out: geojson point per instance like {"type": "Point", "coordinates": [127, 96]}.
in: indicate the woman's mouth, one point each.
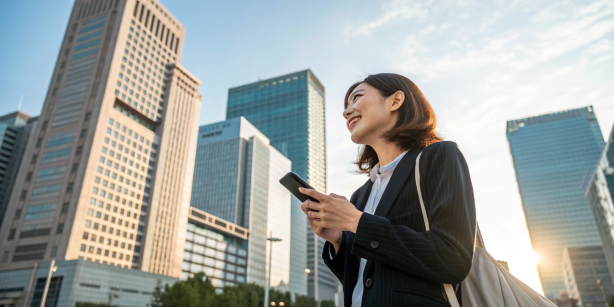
{"type": "Point", "coordinates": [353, 122]}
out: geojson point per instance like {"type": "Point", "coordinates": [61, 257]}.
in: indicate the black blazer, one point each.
{"type": "Point", "coordinates": [407, 265]}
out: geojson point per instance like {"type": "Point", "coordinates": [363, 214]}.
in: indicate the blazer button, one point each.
{"type": "Point", "coordinates": [368, 283]}
{"type": "Point", "coordinates": [374, 244]}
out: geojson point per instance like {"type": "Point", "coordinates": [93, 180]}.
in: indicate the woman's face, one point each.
{"type": "Point", "coordinates": [369, 115]}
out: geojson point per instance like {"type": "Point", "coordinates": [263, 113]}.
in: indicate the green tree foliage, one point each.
{"type": "Point", "coordinates": [327, 304]}
{"type": "Point", "coordinates": [198, 291]}
{"type": "Point", "coordinates": [304, 301]}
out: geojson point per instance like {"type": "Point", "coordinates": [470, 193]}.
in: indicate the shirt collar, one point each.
{"type": "Point", "coordinates": [388, 168]}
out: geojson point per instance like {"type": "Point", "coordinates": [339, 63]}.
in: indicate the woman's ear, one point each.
{"type": "Point", "coordinates": [398, 99]}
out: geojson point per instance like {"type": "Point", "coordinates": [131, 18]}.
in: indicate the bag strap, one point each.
{"type": "Point", "coordinates": [449, 289]}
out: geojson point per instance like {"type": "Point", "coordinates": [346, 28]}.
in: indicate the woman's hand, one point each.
{"type": "Point", "coordinates": [336, 214]}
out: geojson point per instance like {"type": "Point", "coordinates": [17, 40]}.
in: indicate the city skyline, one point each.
{"type": "Point", "coordinates": [525, 59]}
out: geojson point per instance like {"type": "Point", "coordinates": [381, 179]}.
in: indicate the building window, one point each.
{"type": "Point", "coordinates": [79, 149]}
{"type": "Point", "coordinates": [12, 234]}
{"type": "Point", "coordinates": [64, 208]}
{"type": "Point", "coordinates": [83, 133]}
{"type": "Point", "coordinates": [5, 256]}
{"type": "Point", "coordinates": [74, 168]}
{"type": "Point", "coordinates": [17, 214]}
{"type": "Point", "coordinates": [28, 177]}
{"type": "Point", "coordinates": [88, 116]}
{"type": "Point", "coordinates": [69, 187]}
{"type": "Point", "coordinates": [54, 251]}
{"type": "Point", "coordinates": [23, 195]}
{"type": "Point", "coordinates": [83, 247]}
{"type": "Point", "coordinates": [60, 228]}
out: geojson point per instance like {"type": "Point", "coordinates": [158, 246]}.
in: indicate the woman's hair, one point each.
{"type": "Point", "coordinates": [415, 126]}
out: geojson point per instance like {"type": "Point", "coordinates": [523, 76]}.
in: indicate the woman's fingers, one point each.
{"type": "Point", "coordinates": [313, 193]}
{"type": "Point", "coordinates": [314, 215]}
{"type": "Point", "coordinates": [333, 195]}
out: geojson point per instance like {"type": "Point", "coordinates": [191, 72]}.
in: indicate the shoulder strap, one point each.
{"type": "Point", "coordinates": [449, 289]}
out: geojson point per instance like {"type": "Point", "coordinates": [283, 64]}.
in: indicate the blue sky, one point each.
{"type": "Point", "coordinates": [479, 63]}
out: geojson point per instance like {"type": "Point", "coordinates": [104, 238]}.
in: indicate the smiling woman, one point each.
{"type": "Point", "coordinates": [378, 244]}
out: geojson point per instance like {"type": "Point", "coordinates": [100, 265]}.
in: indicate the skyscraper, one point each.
{"type": "Point", "coordinates": [14, 135]}
{"type": "Point", "coordinates": [554, 156]}
{"type": "Point", "coordinates": [290, 110]}
{"type": "Point", "coordinates": [109, 175]}
{"type": "Point", "coordinates": [599, 193]}
{"type": "Point", "coordinates": [236, 178]}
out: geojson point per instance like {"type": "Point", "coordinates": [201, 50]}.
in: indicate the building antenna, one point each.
{"type": "Point", "coordinates": [20, 101]}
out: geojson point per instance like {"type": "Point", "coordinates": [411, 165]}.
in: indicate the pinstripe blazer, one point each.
{"type": "Point", "coordinates": [407, 265]}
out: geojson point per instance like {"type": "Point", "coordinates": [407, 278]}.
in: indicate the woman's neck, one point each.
{"type": "Point", "coordinates": [387, 152]}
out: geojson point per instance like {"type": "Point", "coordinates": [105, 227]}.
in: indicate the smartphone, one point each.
{"type": "Point", "coordinates": [292, 182]}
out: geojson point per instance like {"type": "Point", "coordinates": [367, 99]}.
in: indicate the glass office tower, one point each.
{"type": "Point", "coordinates": [554, 156]}
{"type": "Point", "coordinates": [236, 179]}
{"type": "Point", "coordinates": [599, 193]}
{"type": "Point", "coordinates": [290, 110]}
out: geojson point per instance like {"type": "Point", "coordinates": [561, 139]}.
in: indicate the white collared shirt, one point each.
{"type": "Point", "coordinates": [380, 176]}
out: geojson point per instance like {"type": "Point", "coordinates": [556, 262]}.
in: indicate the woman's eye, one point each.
{"type": "Point", "coordinates": [356, 97]}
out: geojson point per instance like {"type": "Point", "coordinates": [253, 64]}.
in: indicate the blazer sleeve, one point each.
{"type": "Point", "coordinates": [443, 254]}
{"type": "Point", "coordinates": [336, 264]}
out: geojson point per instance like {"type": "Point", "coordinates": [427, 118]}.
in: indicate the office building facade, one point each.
{"type": "Point", "coordinates": [554, 156]}
{"type": "Point", "coordinates": [236, 179]}
{"type": "Point", "coordinates": [109, 175]}
{"type": "Point", "coordinates": [79, 281]}
{"type": "Point", "coordinates": [216, 247]}
{"type": "Point", "coordinates": [587, 277]}
{"type": "Point", "coordinates": [599, 194]}
{"type": "Point", "coordinates": [14, 135]}
{"type": "Point", "coordinates": [290, 111]}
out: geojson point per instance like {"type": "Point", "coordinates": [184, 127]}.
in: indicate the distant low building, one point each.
{"type": "Point", "coordinates": [79, 281]}
{"type": "Point", "coordinates": [216, 247]}
{"type": "Point", "coordinates": [565, 301]}
{"type": "Point", "coordinates": [587, 277]}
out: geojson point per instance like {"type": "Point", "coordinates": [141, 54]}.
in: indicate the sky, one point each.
{"type": "Point", "coordinates": [479, 63]}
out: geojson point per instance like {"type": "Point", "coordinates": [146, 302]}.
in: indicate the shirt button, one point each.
{"type": "Point", "coordinates": [374, 244]}
{"type": "Point", "coordinates": [368, 283]}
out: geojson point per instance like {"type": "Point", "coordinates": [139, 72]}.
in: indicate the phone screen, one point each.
{"type": "Point", "coordinates": [292, 182]}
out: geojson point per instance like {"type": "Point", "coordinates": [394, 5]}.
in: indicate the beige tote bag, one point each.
{"type": "Point", "coordinates": [488, 283]}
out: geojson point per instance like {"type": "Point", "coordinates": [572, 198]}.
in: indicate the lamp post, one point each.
{"type": "Point", "coordinates": [602, 292]}
{"type": "Point", "coordinates": [268, 283]}
{"type": "Point", "coordinates": [307, 271]}
{"type": "Point", "coordinates": [52, 269]}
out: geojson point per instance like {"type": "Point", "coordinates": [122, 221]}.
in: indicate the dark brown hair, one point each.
{"type": "Point", "coordinates": [415, 127]}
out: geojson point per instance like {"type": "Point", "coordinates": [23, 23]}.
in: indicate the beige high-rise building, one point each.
{"type": "Point", "coordinates": [108, 174]}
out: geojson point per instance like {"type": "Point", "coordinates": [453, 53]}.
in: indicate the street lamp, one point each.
{"type": "Point", "coordinates": [602, 292]}
{"type": "Point", "coordinates": [268, 283]}
{"type": "Point", "coordinates": [307, 271]}
{"type": "Point", "coordinates": [52, 269]}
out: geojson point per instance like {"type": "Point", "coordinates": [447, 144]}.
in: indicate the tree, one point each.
{"type": "Point", "coordinates": [205, 290]}
{"type": "Point", "coordinates": [327, 304]}
{"type": "Point", "coordinates": [156, 297]}
{"type": "Point", "coordinates": [180, 295]}
{"type": "Point", "coordinates": [304, 301]}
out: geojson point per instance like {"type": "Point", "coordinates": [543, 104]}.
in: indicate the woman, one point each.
{"type": "Point", "coordinates": [376, 242]}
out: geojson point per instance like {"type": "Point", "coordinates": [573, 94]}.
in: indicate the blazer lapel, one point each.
{"type": "Point", "coordinates": [401, 174]}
